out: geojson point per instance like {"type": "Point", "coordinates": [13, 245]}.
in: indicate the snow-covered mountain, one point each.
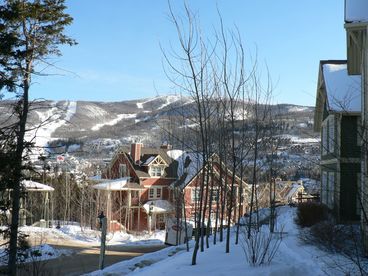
{"type": "Point", "coordinates": [99, 127]}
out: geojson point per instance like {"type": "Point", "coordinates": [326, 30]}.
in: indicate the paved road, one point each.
{"type": "Point", "coordinates": [85, 259]}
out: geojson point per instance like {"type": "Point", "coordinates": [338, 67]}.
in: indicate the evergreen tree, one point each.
{"type": "Point", "coordinates": [30, 32]}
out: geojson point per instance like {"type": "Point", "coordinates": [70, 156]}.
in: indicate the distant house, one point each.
{"type": "Point", "coordinates": [190, 171]}
{"type": "Point", "coordinates": [143, 181]}
{"type": "Point", "coordinates": [337, 118]}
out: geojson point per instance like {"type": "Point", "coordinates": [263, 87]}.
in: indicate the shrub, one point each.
{"type": "Point", "coordinates": [261, 246]}
{"type": "Point", "coordinates": [310, 213]}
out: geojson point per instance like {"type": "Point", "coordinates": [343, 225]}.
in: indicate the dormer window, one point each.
{"type": "Point", "coordinates": [156, 171]}
{"type": "Point", "coordinates": [156, 165]}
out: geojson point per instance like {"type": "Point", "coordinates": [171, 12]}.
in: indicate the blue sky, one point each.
{"type": "Point", "coordinates": [119, 58]}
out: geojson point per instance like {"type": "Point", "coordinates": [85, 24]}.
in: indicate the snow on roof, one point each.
{"type": "Point", "coordinates": [30, 185]}
{"type": "Point", "coordinates": [149, 160]}
{"type": "Point", "coordinates": [343, 91]}
{"type": "Point", "coordinates": [186, 174]}
{"type": "Point", "coordinates": [356, 11]}
{"type": "Point", "coordinates": [119, 184]}
{"type": "Point", "coordinates": [293, 190]}
{"type": "Point", "coordinates": [158, 206]}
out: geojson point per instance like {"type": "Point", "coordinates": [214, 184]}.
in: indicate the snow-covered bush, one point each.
{"type": "Point", "coordinates": [261, 247]}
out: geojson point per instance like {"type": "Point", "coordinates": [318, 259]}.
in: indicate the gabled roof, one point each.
{"type": "Point", "coordinates": [147, 156]}
{"type": "Point", "coordinates": [189, 165]}
{"type": "Point", "coordinates": [336, 90]}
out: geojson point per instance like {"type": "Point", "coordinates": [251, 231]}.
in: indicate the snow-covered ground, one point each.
{"type": "Point", "coordinates": [292, 258]}
{"type": "Point", "coordinates": [40, 252]}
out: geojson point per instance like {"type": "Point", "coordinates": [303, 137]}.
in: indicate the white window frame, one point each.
{"type": "Point", "coordinates": [156, 171]}
{"type": "Point", "coordinates": [156, 193]}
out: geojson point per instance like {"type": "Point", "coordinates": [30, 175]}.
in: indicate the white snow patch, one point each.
{"type": "Point", "coordinates": [145, 119]}
{"type": "Point", "coordinates": [114, 121]}
{"type": "Point", "coordinates": [186, 174]}
{"type": "Point", "coordinates": [343, 90]}
{"type": "Point", "coordinates": [297, 108]}
{"type": "Point", "coordinates": [169, 100]}
{"type": "Point", "coordinates": [298, 140]}
{"type": "Point", "coordinates": [92, 237]}
{"type": "Point", "coordinates": [41, 252]}
{"type": "Point", "coordinates": [51, 119]}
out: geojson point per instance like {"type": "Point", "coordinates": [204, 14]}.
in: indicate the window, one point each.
{"type": "Point", "coordinates": [215, 194]}
{"type": "Point", "coordinates": [196, 194]}
{"type": "Point", "coordinates": [123, 172]}
{"type": "Point", "coordinates": [155, 193]}
{"type": "Point", "coordinates": [158, 192]}
{"type": "Point", "coordinates": [156, 171]}
{"type": "Point", "coordinates": [328, 135]}
{"type": "Point", "coordinates": [151, 193]}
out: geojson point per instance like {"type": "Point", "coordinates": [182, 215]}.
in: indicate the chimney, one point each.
{"type": "Point", "coordinates": [135, 152]}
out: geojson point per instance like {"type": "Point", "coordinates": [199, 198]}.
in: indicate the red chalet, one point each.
{"type": "Point", "coordinates": [143, 185]}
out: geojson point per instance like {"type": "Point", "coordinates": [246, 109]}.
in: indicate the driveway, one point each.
{"type": "Point", "coordinates": [85, 259]}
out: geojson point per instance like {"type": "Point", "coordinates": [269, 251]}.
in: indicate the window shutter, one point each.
{"type": "Point", "coordinates": [324, 139]}
{"type": "Point", "coordinates": [331, 180]}
{"type": "Point", "coordinates": [324, 191]}
{"type": "Point", "coordinates": [331, 134]}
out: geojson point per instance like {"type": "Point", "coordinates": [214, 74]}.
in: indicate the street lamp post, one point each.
{"type": "Point", "coordinates": [150, 218]}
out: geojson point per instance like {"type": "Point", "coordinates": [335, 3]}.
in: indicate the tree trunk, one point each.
{"type": "Point", "coordinates": [12, 263]}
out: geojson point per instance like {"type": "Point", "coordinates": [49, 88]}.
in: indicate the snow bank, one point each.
{"type": "Point", "coordinates": [292, 258]}
{"type": "Point", "coordinates": [92, 237]}
{"type": "Point", "coordinates": [37, 253]}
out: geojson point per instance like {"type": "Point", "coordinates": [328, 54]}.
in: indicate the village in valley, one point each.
{"type": "Point", "coordinates": [216, 176]}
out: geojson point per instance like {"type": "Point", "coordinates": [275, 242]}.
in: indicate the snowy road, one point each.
{"type": "Point", "coordinates": [86, 258]}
